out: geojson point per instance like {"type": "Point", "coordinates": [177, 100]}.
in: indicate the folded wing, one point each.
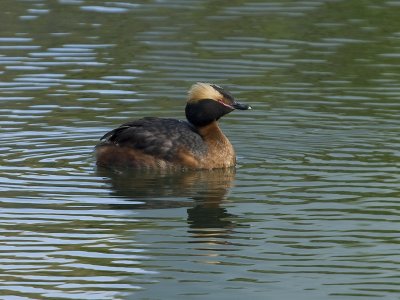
{"type": "Point", "coordinates": [159, 137]}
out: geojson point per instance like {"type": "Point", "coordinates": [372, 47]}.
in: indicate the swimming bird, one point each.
{"type": "Point", "coordinates": [164, 143]}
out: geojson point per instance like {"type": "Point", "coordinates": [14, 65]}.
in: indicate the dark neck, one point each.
{"type": "Point", "coordinates": [204, 112]}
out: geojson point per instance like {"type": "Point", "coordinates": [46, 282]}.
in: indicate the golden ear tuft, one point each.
{"type": "Point", "coordinates": [201, 90]}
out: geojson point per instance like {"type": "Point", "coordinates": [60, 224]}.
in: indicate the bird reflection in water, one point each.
{"type": "Point", "coordinates": [160, 190]}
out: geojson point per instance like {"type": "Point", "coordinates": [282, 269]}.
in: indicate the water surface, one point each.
{"type": "Point", "coordinates": [311, 210]}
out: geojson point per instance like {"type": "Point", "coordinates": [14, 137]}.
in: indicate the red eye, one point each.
{"type": "Point", "coordinates": [225, 104]}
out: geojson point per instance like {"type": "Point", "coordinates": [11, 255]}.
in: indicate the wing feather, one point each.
{"type": "Point", "coordinates": [160, 137]}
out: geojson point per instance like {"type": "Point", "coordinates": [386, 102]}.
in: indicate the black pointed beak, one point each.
{"type": "Point", "coordinates": [241, 106]}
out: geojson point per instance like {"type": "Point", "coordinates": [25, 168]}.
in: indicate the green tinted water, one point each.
{"type": "Point", "coordinates": [310, 212]}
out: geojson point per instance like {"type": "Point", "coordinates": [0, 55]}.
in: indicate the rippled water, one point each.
{"type": "Point", "coordinates": [312, 209]}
